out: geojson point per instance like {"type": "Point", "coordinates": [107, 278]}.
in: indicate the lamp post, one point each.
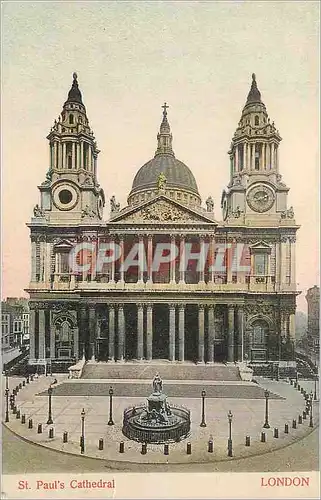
{"type": "Point", "coordinates": [315, 397]}
{"type": "Point", "coordinates": [49, 421]}
{"type": "Point", "coordinates": [266, 423]}
{"type": "Point", "coordinates": [7, 380]}
{"type": "Point", "coordinates": [111, 393]}
{"type": "Point", "coordinates": [82, 439]}
{"type": "Point", "coordinates": [311, 410]}
{"type": "Point", "coordinates": [229, 442]}
{"type": "Point", "coordinates": [203, 423]}
{"type": "Point", "coordinates": [7, 404]}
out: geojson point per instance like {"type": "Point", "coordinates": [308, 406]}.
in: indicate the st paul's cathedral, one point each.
{"type": "Point", "coordinates": [207, 311]}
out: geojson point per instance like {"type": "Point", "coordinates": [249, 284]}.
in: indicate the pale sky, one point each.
{"type": "Point", "coordinates": [131, 57]}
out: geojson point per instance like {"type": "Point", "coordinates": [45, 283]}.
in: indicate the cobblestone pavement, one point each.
{"type": "Point", "coordinates": [248, 418]}
{"type": "Point", "coordinates": [238, 391]}
{"type": "Point", "coordinates": [21, 457]}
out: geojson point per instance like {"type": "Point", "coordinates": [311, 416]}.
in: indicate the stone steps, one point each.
{"type": "Point", "coordinates": [167, 371]}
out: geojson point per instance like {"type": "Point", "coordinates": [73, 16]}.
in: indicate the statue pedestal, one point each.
{"type": "Point", "coordinates": [156, 401]}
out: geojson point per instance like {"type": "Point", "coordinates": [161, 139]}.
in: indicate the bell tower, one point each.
{"type": "Point", "coordinates": [71, 191]}
{"type": "Point", "coordinates": [255, 189]}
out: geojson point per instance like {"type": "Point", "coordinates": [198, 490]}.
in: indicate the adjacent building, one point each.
{"type": "Point", "coordinates": [313, 333]}
{"type": "Point", "coordinates": [14, 322]}
{"type": "Point", "coordinates": [166, 276]}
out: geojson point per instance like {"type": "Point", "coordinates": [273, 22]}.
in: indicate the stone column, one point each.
{"type": "Point", "coordinates": [272, 155]}
{"type": "Point", "coordinates": [292, 325]}
{"type": "Point", "coordinates": [240, 329]}
{"type": "Point", "coordinates": [52, 339]}
{"type": "Point", "coordinates": [149, 332]}
{"type": "Point", "coordinates": [230, 335]}
{"type": "Point", "coordinates": [111, 336]}
{"type": "Point", "coordinates": [89, 158]}
{"type": "Point", "coordinates": [41, 335]}
{"type": "Point", "coordinates": [236, 169]}
{"type": "Point", "coordinates": [181, 332]}
{"type": "Point", "coordinates": [121, 259]}
{"type": "Point", "coordinates": [121, 332]}
{"type": "Point", "coordinates": [76, 343]}
{"type": "Point", "coordinates": [212, 258]}
{"type": "Point", "coordinates": [263, 163]}
{"type": "Point", "coordinates": [33, 260]}
{"type": "Point", "coordinates": [172, 270]}
{"type": "Point", "coordinates": [60, 155]}
{"type": "Point", "coordinates": [172, 329]}
{"type": "Point", "coordinates": [211, 333]}
{"type": "Point", "coordinates": [283, 249]}
{"type": "Point", "coordinates": [182, 259]}
{"type": "Point", "coordinates": [141, 251]}
{"type": "Point", "coordinates": [73, 152]}
{"type": "Point", "coordinates": [32, 334]}
{"type": "Point", "coordinates": [244, 155]}
{"type": "Point", "coordinates": [202, 260]}
{"type": "Point", "coordinates": [113, 263]}
{"type": "Point", "coordinates": [78, 155]}
{"type": "Point", "coordinates": [48, 252]}
{"type": "Point", "coordinates": [140, 331]}
{"type": "Point", "coordinates": [150, 258]}
{"type": "Point", "coordinates": [201, 333]}
{"type": "Point", "coordinates": [82, 154]}
{"type": "Point", "coordinates": [292, 256]}
{"type": "Point", "coordinates": [253, 157]}
{"type": "Point", "coordinates": [229, 258]}
{"type": "Point", "coordinates": [268, 157]}
{"type": "Point", "coordinates": [83, 329]}
{"type": "Point", "coordinates": [63, 155]}
{"type": "Point", "coordinates": [92, 331]}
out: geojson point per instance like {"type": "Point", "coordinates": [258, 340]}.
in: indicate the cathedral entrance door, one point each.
{"type": "Point", "coordinates": [160, 331]}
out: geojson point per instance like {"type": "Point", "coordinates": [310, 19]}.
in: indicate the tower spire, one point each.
{"type": "Point", "coordinates": [74, 94]}
{"type": "Point", "coordinates": [254, 95]}
{"type": "Point", "coordinates": [164, 137]}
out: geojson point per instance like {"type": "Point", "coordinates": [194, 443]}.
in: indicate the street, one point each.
{"type": "Point", "coordinates": [20, 457]}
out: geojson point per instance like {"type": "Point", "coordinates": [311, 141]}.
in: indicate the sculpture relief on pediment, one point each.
{"type": "Point", "coordinates": [161, 212]}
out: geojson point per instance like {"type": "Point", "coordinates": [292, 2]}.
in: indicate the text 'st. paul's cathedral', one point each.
{"type": "Point", "coordinates": [163, 277]}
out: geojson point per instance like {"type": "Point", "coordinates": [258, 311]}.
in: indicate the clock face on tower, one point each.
{"type": "Point", "coordinates": [260, 198]}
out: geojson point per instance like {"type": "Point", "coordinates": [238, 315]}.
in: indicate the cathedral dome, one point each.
{"type": "Point", "coordinates": [180, 183]}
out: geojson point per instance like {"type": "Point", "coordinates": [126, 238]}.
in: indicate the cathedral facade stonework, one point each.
{"type": "Point", "coordinates": [163, 278]}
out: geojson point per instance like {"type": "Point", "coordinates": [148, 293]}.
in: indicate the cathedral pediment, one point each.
{"type": "Point", "coordinates": [260, 246]}
{"type": "Point", "coordinates": [162, 210]}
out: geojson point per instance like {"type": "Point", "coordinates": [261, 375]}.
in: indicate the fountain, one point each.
{"type": "Point", "coordinates": [157, 421]}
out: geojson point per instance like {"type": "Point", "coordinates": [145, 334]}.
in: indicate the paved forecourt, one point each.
{"type": "Point", "coordinates": [245, 400]}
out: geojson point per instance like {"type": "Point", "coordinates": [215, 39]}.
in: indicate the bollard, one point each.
{"type": "Point", "coordinates": [23, 383]}
{"type": "Point", "coordinates": [276, 433]}
{"type": "Point", "coordinates": [291, 381]}
{"type": "Point", "coordinates": [121, 447]}
{"type": "Point", "coordinates": [189, 449]}
{"type": "Point", "coordinates": [300, 419]}
{"type": "Point", "coordinates": [144, 449]}
{"type": "Point", "coordinates": [65, 437]}
{"type": "Point", "coordinates": [30, 423]}
{"type": "Point", "coordinates": [295, 385]}
{"type": "Point", "coordinates": [247, 440]}
{"type": "Point", "coordinates": [31, 378]}
{"type": "Point", "coordinates": [23, 419]}
{"type": "Point", "coordinates": [39, 429]}
{"type": "Point", "coordinates": [210, 446]}
{"type": "Point", "coordinates": [294, 424]}
{"type": "Point", "coordinates": [14, 409]}
{"type": "Point", "coordinates": [27, 381]}
{"type": "Point", "coordinates": [18, 414]}
{"type": "Point", "coordinates": [17, 388]}
{"type": "Point", "coordinates": [302, 390]}
{"type": "Point", "coordinates": [304, 415]}
{"type": "Point", "coordinates": [20, 386]}
{"type": "Point", "coordinates": [286, 429]}
{"type": "Point", "coordinates": [263, 437]}
{"type": "Point", "coordinates": [299, 387]}
{"type": "Point", "coordinates": [166, 449]}
{"type": "Point", "coordinates": [51, 433]}
{"type": "Point", "coordinates": [101, 444]}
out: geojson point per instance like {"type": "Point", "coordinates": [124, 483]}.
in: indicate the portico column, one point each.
{"type": "Point", "coordinates": [240, 328]}
{"type": "Point", "coordinates": [211, 333]}
{"type": "Point", "coordinates": [111, 336]}
{"type": "Point", "coordinates": [201, 333]}
{"type": "Point", "coordinates": [229, 262]}
{"type": "Point", "coordinates": [41, 336]}
{"type": "Point", "coordinates": [173, 260]}
{"type": "Point", "coordinates": [121, 260]}
{"type": "Point", "coordinates": [141, 251]}
{"type": "Point", "coordinates": [121, 332]}
{"type": "Point", "coordinates": [76, 343]}
{"type": "Point", "coordinates": [92, 331]}
{"type": "Point", "coordinates": [149, 346]}
{"type": "Point", "coordinates": [140, 331]}
{"type": "Point", "coordinates": [150, 258]}
{"type": "Point", "coordinates": [52, 339]}
{"type": "Point", "coordinates": [202, 260]}
{"type": "Point", "coordinates": [171, 332]}
{"type": "Point", "coordinates": [211, 260]}
{"type": "Point", "coordinates": [113, 263]}
{"type": "Point", "coordinates": [181, 332]}
{"type": "Point", "coordinates": [32, 332]}
{"type": "Point", "coordinates": [182, 259]}
{"type": "Point", "coordinates": [230, 334]}
{"type": "Point", "coordinates": [73, 152]}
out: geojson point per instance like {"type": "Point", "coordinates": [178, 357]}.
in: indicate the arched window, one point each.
{"type": "Point", "coordinates": [71, 119]}
{"type": "Point", "coordinates": [256, 120]}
